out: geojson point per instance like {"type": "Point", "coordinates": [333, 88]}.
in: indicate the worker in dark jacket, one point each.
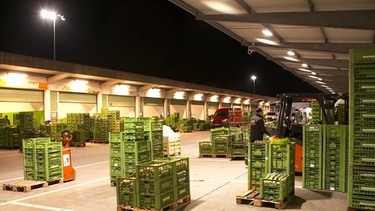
{"type": "Point", "coordinates": [257, 128]}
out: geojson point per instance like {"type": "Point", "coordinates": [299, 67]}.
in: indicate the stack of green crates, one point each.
{"type": "Point", "coordinates": [274, 186]}
{"type": "Point", "coordinates": [127, 149]}
{"type": "Point", "coordinates": [154, 130]}
{"type": "Point", "coordinates": [341, 114]}
{"type": "Point", "coordinates": [126, 191]}
{"type": "Point", "coordinates": [181, 175]}
{"type": "Point", "coordinates": [334, 159]}
{"type": "Point", "coordinates": [25, 124]}
{"type": "Point", "coordinates": [155, 184]}
{"type": "Point", "coordinates": [79, 138]}
{"type": "Point", "coordinates": [116, 153]}
{"type": "Point", "coordinates": [312, 165]}
{"type": "Point", "coordinates": [316, 112]}
{"type": "Point", "coordinates": [135, 152]}
{"type": "Point", "coordinates": [281, 160]}
{"type": "Point", "coordinates": [220, 138]}
{"type": "Point", "coordinates": [101, 130]}
{"type": "Point", "coordinates": [361, 191]}
{"type": "Point", "coordinates": [79, 121]}
{"type": "Point", "coordinates": [220, 144]}
{"type": "Point", "coordinates": [257, 164]}
{"type": "Point", "coordinates": [42, 159]}
{"type": "Point", "coordinates": [237, 146]}
{"type": "Point", "coordinates": [9, 137]}
{"type": "Point", "coordinates": [56, 129]}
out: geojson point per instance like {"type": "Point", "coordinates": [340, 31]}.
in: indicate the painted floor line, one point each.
{"type": "Point", "coordinates": [91, 164]}
{"type": "Point", "coordinates": [54, 191]}
{"type": "Point", "coordinates": [17, 178]}
{"type": "Point", "coordinates": [40, 206]}
{"type": "Point", "coordinates": [76, 167]}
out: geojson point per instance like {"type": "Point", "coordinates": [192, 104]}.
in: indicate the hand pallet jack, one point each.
{"type": "Point", "coordinates": [69, 171]}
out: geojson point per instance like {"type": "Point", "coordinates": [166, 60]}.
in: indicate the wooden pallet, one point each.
{"type": "Point", "coordinates": [247, 197]}
{"type": "Point", "coordinates": [214, 155]}
{"type": "Point", "coordinates": [24, 185]}
{"type": "Point", "coordinates": [237, 157]}
{"type": "Point", "coordinates": [171, 207]}
{"type": "Point", "coordinates": [357, 209]}
{"type": "Point", "coordinates": [278, 204]}
{"type": "Point", "coordinates": [56, 181]}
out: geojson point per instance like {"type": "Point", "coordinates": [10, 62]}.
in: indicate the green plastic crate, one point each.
{"type": "Point", "coordinates": [126, 191]}
{"type": "Point", "coordinates": [155, 186]}
{"type": "Point", "coordinates": [273, 189]}
{"type": "Point", "coordinates": [205, 147]}
{"type": "Point", "coordinates": [155, 201]}
{"type": "Point", "coordinates": [154, 170]}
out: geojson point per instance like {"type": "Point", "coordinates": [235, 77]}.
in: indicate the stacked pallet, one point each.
{"type": "Point", "coordinates": [171, 142]}
{"type": "Point", "coordinates": [127, 149]}
{"type": "Point", "coordinates": [79, 122]}
{"type": "Point", "coordinates": [361, 189]}
{"type": "Point", "coordinates": [42, 159]}
{"type": "Point", "coordinates": [154, 132]}
{"type": "Point", "coordinates": [8, 137]}
{"type": "Point", "coordinates": [271, 174]}
{"type": "Point", "coordinates": [325, 161]}
{"type": "Point", "coordinates": [26, 125]}
{"type": "Point", "coordinates": [312, 166]}
{"type": "Point", "coordinates": [56, 129]}
{"type": "Point", "coordinates": [237, 146]}
{"type": "Point", "coordinates": [257, 164]}
{"type": "Point", "coordinates": [334, 159]}
{"type": "Point", "coordinates": [159, 184]}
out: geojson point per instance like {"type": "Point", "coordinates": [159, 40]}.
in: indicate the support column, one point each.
{"type": "Point", "coordinates": [138, 107]}
{"type": "Point", "coordinates": [47, 105]}
{"type": "Point", "coordinates": [99, 102]}
{"type": "Point", "coordinates": [166, 108]}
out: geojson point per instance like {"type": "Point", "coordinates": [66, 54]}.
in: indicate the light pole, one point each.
{"type": "Point", "coordinates": [253, 77]}
{"type": "Point", "coordinates": [51, 15]}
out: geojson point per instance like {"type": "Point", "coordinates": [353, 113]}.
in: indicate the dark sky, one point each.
{"type": "Point", "coordinates": [149, 37]}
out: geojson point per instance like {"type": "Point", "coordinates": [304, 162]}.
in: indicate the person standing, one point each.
{"type": "Point", "coordinates": [257, 128]}
{"type": "Point", "coordinates": [7, 120]}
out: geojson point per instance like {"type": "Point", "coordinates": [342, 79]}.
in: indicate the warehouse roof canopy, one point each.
{"type": "Point", "coordinates": [57, 70]}
{"type": "Point", "coordinates": [309, 38]}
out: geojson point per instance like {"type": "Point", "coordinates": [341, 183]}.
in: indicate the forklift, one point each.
{"type": "Point", "coordinates": [287, 127]}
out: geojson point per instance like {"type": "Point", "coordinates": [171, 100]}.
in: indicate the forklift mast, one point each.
{"type": "Point", "coordinates": [285, 125]}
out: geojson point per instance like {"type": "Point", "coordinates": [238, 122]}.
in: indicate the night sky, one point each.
{"type": "Point", "coordinates": [149, 37]}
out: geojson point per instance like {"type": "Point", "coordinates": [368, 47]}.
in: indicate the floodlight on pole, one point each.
{"type": "Point", "coordinates": [51, 15]}
{"type": "Point", "coordinates": [253, 77]}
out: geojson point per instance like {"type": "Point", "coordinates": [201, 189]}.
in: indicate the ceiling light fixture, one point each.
{"type": "Point", "coordinates": [267, 32]}
{"type": "Point", "coordinates": [291, 58]}
{"type": "Point", "coordinates": [291, 53]}
{"type": "Point", "coordinates": [304, 65]}
{"type": "Point", "coordinates": [304, 70]}
{"type": "Point", "coordinates": [265, 41]}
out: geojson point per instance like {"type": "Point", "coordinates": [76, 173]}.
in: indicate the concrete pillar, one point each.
{"type": "Point", "coordinates": [47, 105]}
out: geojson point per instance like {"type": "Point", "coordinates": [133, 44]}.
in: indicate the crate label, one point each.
{"type": "Point", "coordinates": [66, 158]}
{"type": "Point", "coordinates": [312, 165]}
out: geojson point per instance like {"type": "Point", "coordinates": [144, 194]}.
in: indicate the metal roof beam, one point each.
{"type": "Point", "coordinates": [57, 77]}
{"type": "Point", "coordinates": [185, 6]}
{"type": "Point", "coordinates": [362, 19]}
{"type": "Point", "coordinates": [322, 62]}
{"type": "Point", "coordinates": [109, 83]}
{"type": "Point", "coordinates": [330, 72]}
{"type": "Point", "coordinates": [323, 47]}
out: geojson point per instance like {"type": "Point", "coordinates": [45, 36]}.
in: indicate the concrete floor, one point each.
{"type": "Point", "coordinates": [214, 184]}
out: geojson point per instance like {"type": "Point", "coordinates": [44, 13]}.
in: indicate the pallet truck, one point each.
{"type": "Point", "coordinates": [69, 171]}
